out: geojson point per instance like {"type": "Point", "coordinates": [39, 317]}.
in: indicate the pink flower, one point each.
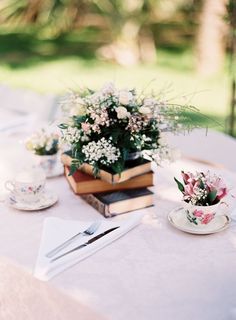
{"type": "Point", "coordinates": [207, 218]}
{"type": "Point", "coordinates": [191, 188]}
{"type": "Point", "coordinates": [222, 193]}
{"type": "Point", "coordinates": [85, 126]}
{"type": "Point", "coordinates": [198, 213]}
{"type": "Point", "coordinates": [220, 187]}
{"type": "Point", "coordinates": [185, 176]}
{"type": "Point", "coordinates": [188, 190]}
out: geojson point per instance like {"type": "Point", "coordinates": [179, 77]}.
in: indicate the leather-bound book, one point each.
{"type": "Point", "coordinates": [82, 183]}
{"type": "Point", "coordinates": [133, 168]}
{"type": "Point", "coordinates": [114, 203]}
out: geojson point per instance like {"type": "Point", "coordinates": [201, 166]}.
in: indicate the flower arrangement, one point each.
{"type": "Point", "coordinates": [104, 127]}
{"type": "Point", "coordinates": [202, 193]}
{"type": "Point", "coordinates": [43, 143]}
{"type": "Point", "coordinates": [202, 189]}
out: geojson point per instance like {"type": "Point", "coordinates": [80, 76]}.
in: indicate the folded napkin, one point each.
{"type": "Point", "coordinates": [56, 231]}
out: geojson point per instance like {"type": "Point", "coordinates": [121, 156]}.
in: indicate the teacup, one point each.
{"type": "Point", "coordinates": [27, 186]}
{"type": "Point", "coordinates": [201, 215]}
{"type": "Point", "coordinates": [46, 162]}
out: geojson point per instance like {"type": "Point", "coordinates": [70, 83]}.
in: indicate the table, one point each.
{"type": "Point", "coordinates": [154, 271]}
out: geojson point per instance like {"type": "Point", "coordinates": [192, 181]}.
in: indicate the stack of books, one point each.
{"type": "Point", "coordinates": [113, 194]}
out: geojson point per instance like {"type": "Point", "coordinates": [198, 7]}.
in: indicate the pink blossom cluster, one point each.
{"type": "Point", "coordinates": [137, 122]}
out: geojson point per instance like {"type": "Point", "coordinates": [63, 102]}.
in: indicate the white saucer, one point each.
{"type": "Point", "coordinates": [178, 220]}
{"type": "Point", "coordinates": [47, 199]}
{"type": "Point", "coordinates": [58, 170]}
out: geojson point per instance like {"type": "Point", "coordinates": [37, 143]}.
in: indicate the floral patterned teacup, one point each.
{"type": "Point", "coordinates": [27, 186]}
{"type": "Point", "coordinates": [201, 215]}
{"type": "Point", "coordinates": [46, 162]}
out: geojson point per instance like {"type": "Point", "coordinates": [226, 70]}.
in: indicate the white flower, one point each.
{"type": "Point", "coordinates": [71, 135]}
{"type": "Point", "coordinates": [102, 151]}
{"type": "Point", "coordinates": [43, 141]}
{"type": "Point", "coordinates": [149, 102]}
{"type": "Point", "coordinates": [94, 99]}
{"type": "Point", "coordinates": [125, 97]}
{"type": "Point", "coordinates": [73, 104]}
{"type": "Point", "coordinates": [78, 111]}
{"type": "Point", "coordinates": [108, 88]}
{"type": "Point", "coordinates": [79, 108]}
{"type": "Point", "coordinates": [145, 110]}
{"type": "Point", "coordinates": [122, 113]}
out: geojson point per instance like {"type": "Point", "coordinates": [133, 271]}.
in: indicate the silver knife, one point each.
{"type": "Point", "coordinates": [100, 235]}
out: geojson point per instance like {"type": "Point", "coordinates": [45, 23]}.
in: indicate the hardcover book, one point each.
{"type": "Point", "coordinates": [134, 168]}
{"type": "Point", "coordinates": [82, 183]}
{"type": "Point", "coordinates": [113, 203]}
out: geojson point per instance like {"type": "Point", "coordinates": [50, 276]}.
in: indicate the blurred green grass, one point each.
{"type": "Point", "coordinates": [69, 61]}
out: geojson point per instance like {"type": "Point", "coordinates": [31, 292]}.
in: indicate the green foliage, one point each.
{"type": "Point", "coordinates": [63, 126]}
{"type": "Point", "coordinates": [44, 152]}
{"type": "Point", "coordinates": [211, 197]}
{"type": "Point", "coordinates": [191, 218]}
{"type": "Point", "coordinates": [180, 185]}
{"type": "Point", "coordinates": [75, 164]}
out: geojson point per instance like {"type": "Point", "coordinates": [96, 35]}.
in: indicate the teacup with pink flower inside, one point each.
{"type": "Point", "coordinates": [202, 196]}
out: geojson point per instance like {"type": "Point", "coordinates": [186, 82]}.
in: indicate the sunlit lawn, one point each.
{"type": "Point", "coordinates": [173, 73]}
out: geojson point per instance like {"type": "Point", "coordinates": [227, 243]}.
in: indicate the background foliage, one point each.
{"type": "Point", "coordinates": [50, 45]}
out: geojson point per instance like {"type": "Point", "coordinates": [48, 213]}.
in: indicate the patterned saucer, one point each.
{"type": "Point", "coordinates": [178, 219]}
{"type": "Point", "coordinates": [47, 199]}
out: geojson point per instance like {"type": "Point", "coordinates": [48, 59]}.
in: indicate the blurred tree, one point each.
{"type": "Point", "coordinates": [210, 44]}
{"type": "Point", "coordinates": [131, 24]}
{"type": "Point", "coordinates": [231, 19]}
{"type": "Point", "coordinates": [125, 26]}
{"type": "Point", "coordinates": [131, 38]}
{"type": "Point", "coordinates": [57, 16]}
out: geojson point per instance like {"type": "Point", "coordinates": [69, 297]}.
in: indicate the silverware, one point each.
{"type": "Point", "coordinates": [88, 232]}
{"type": "Point", "coordinates": [85, 244]}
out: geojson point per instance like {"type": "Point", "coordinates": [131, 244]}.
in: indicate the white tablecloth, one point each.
{"type": "Point", "coordinates": [153, 272]}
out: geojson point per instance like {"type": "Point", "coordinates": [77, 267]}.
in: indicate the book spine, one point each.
{"type": "Point", "coordinates": [96, 204]}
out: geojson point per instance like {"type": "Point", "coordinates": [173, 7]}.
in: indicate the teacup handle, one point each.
{"type": "Point", "coordinates": [223, 207]}
{"type": "Point", "coordinates": [9, 185]}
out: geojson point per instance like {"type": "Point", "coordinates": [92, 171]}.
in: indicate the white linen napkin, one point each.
{"type": "Point", "coordinates": [56, 231]}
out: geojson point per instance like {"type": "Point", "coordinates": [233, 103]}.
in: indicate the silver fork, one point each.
{"type": "Point", "coordinates": [89, 231]}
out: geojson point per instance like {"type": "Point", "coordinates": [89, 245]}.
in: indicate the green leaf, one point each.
{"type": "Point", "coordinates": [73, 169]}
{"type": "Point", "coordinates": [201, 185]}
{"type": "Point", "coordinates": [95, 171]}
{"type": "Point", "coordinates": [63, 126]}
{"type": "Point", "coordinates": [211, 196]}
{"type": "Point", "coordinates": [180, 185]}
